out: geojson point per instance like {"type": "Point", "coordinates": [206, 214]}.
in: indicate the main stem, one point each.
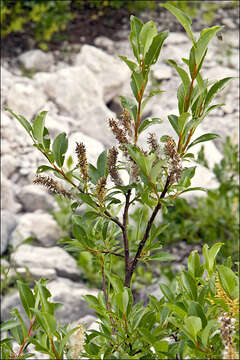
{"type": "Point", "coordinates": [132, 268]}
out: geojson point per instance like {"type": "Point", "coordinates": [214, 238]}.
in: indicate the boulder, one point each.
{"type": "Point", "coordinates": [93, 147]}
{"type": "Point", "coordinates": [9, 165]}
{"type": "Point", "coordinates": [47, 258]}
{"type": "Point", "coordinates": [25, 99]}
{"type": "Point", "coordinates": [8, 199]}
{"type": "Point", "coordinates": [33, 197]}
{"type": "Point", "coordinates": [38, 225]}
{"type": "Point", "coordinates": [110, 72]}
{"type": "Point", "coordinates": [36, 60]}
{"type": "Point", "coordinates": [8, 223]}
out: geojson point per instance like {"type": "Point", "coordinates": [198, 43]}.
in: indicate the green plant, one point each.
{"type": "Point", "coordinates": [212, 218]}
{"type": "Point", "coordinates": [157, 176]}
{"type": "Point", "coordinates": [43, 17]}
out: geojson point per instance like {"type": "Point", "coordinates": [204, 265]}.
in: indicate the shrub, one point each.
{"type": "Point", "coordinates": [189, 310]}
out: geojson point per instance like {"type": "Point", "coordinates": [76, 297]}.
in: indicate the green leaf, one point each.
{"type": "Point", "coordinates": [66, 338]}
{"type": "Point", "coordinates": [195, 309]}
{"type": "Point", "coordinates": [189, 285]}
{"type": "Point", "coordinates": [227, 279]}
{"type": "Point", "coordinates": [143, 161]}
{"type": "Point", "coordinates": [137, 317]}
{"type": "Point", "coordinates": [210, 256]}
{"type": "Point", "coordinates": [207, 330]}
{"type": "Point", "coordinates": [102, 164]}
{"type": "Point", "coordinates": [137, 83]}
{"type": "Point", "coordinates": [8, 325]}
{"type": "Point", "coordinates": [116, 282]}
{"type": "Point", "coordinates": [202, 138]}
{"type": "Point", "coordinates": [47, 321]}
{"type": "Point", "coordinates": [130, 105]}
{"type": "Point", "coordinates": [26, 124]}
{"type": "Point", "coordinates": [187, 174]}
{"type": "Point", "coordinates": [148, 122]}
{"type": "Point", "coordinates": [197, 188]}
{"type": "Point", "coordinates": [194, 266]}
{"type": "Point", "coordinates": [131, 64]}
{"type": "Point", "coordinates": [88, 200]}
{"type": "Point", "coordinates": [218, 86]}
{"type": "Point", "coordinates": [122, 299]}
{"type": "Point", "coordinates": [44, 294]}
{"type": "Point", "coordinates": [80, 234]}
{"type": "Point", "coordinates": [147, 33]}
{"type": "Point", "coordinates": [193, 325]}
{"type": "Point", "coordinates": [44, 168]}
{"type": "Point", "coordinates": [38, 126]}
{"type": "Point", "coordinates": [161, 346]}
{"type": "Point", "coordinates": [26, 297]}
{"type": "Point", "coordinates": [59, 148]}
{"type": "Point", "coordinates": [173, 119]}
{"type": "Point", "coordinates": [162, 256]}
{"type": "Point", "coordinates": [146, 334]}
{"type": "Point", "coordinates": [183, 74]}
{"type": "Point", "coordinates": [177, 310]}
{"type": "Point", "coordinates": [136, 26]}
{"type": "Point", "coordinates": [181, 98]}
{"type": "Point", "coordinates": [182, 121]}
{"type": "Point", "coordinates": [202, 44]}
{"type": "Point", "coordinates": [15, 312]}
{"type": "Point", "coordinates": [155, 48]}
{"type": "Point", "coordinates": [183, 18]}
{"type": "Point", "coordinates": [150, 95]}
{"type": "Point", "coordinates": [92, 301]}
{"type": "Point", "coordinates": [167, 292]}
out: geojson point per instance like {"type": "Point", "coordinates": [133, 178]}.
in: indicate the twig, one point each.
{"type": "Point", "coordinates": [124, 230]}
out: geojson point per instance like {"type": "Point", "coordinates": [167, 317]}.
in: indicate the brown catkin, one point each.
{"type": "Point", "coordinates": [101, 189]}
{"type": "Point", "coordinates": [112, 161]}
{"type": "Point", "coordinates": [126, 121]}
{"type": "Point", "coordinates": [52, 185]}
{"type": "Point", "coordinates": [174, 160]}
{"type": "Point", "coordinates": [82, 160]}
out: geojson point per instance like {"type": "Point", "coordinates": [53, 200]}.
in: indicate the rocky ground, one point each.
{"type": "Point", "coordinates": [79, 85]}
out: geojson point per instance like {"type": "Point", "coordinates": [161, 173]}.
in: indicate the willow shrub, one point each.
{"type": "Point", "coordinates": [197, 315]}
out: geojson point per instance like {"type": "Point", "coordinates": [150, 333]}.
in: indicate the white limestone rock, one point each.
{"type": "Point", "coordinates": [33, 197]}
{"type": "Point", "coordinates": [8, 199]}
{"type": "Point", "coordinates": [110, 72]}
{"type": "Point", "coordinates": [38, 225]}
{"type": "Point", "coordinates": [25, 99]}
{"type": "Point", "coordinates": [47, 258]}
{"type": "Point", "coordinates": [36, 60]}
{"type": "Point", "coordinates": [9, 165]}
{"type": "Point", "coordinates": [93, 147]}
{"type": "Point", "coordinates": [8, 223]}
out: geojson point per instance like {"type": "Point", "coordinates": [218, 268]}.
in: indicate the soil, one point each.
{"type": "Point", "coordinates": [113, 24]}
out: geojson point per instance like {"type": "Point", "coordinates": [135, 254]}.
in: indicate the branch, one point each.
{"type": "Point", "coordinates": [146, 235]}
{"type": "Point", "coordinates": [124, 230]}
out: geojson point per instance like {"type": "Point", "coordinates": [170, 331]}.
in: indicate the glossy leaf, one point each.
{"type": "Point", "coordinates": [148, 122]}
{"type": "Point", "coordinates": [202, 138]}
{"type": "Point", "coordinates": [26, 124]}
{"type": "Point", "coordinates": [207, 330]}
{"type": "Point", "coordinates": [88, 200]}
{"type": "Point", "coordinates": [162, 256]}
{"type": "Point", "coordinates": [202, 44]}
{"type": "Point", "coordinates": [43, 168]}
{"type": "Point", "coordinates": [38, 126]}
{"type": "Point", "coordinates": [155, 48]}
{"type": "Point", "coordinates": [136, 26]}
{"type": "Point", "coordinates": [210, 256]}
{"type": "Point", "coordinates": [227, 279]}
{"type": "Point", "coordinates": [173, 119]}
{"type": "Point", "coordinates": [182, 121]}
{"type": "Point", "coordinates": [59, 148]}
{"type": "Point", "coordinates": [183, 18]}
{"type": "Point", "coordinates": [183, 75]}
{"type": "Point", "coordinates": [47, 321]}
{"type": "Point", "coordinates": [219, 85]}
{"type": "Point", "coordinates": [189, 285]}
{"type": "Point", "coordinates": [195, 309]}
{"type": "Point", "coordinates": [131, 64]}
{"type": "Point", "coordinates": [26, 297]}
{"type": "Point", "coordinates": [102, 164]}
{"type": "Point", "coordinates": [167, 292]}
{"type": "Point", "coordinates": [194, 266]}
{"type": "Point", "coordinates": [8, 325]}
{"type": "Point", "coordinates": [147, 33]}
{"type": "Point", "coordinates": [193, 325]}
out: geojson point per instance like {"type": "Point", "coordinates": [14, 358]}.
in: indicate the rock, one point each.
{"type": "Point", "coordinates": [109, 71]}
{"type": "Point", "coordinates": [153, 290]}
{"type": "Point", "coordinates": [25, 99]}
{"type": "Point", "coordinates": [38, 225]}
{"type": "Point", "coordinates": [57, 124]}
{"type": "Point", "coordinates": [54, 258]}
{"type": "Point", "coordinates": [8, 223]}
{"type": "Point", "coordinates": [93, 147]}
{"type": "Point", "coordinates": [87, 320]}
{"type": "Point", "coordinates": [8, 200]}
{"type": "Point", "coordinates": [218, 72]}
{"type": "Point", "coordinates": [70, 294]}
{"type": "Point", "coordinates": [176, 38]}
{"type": "Point", "coordinates": [36, 60]}
{"type": "Point", "coordinates": [9, 164]}
{"type": "Point", "coordinates": [33, 197]}
{"type": "Point", "coordinates": [63, 290]}
{"type": "Point", "coordinates": [74, 89]}
{"type": "Point", "coordinates": [163, 72]}
{"type": "Point", "coordinates": [104, 43]}
{"type": "Point", "coordinates": [37, 273]}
